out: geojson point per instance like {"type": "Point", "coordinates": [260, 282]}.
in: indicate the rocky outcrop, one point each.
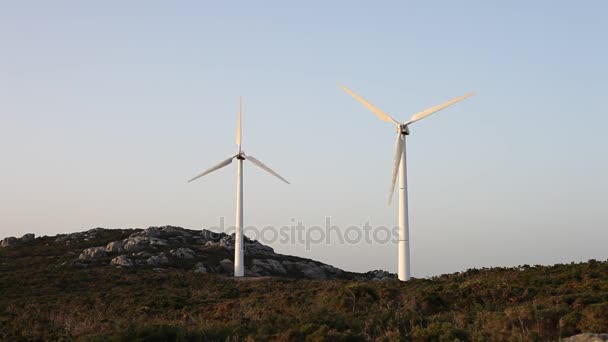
{"type": "Point", "coordinates": [9, 242]}
{"type": "Point", "coordinates": [183, 253]}
{"type": "Point", "coordinates": [157, 260]}
{"type": "Point", "coordinates": [376, 275]}
{"type": "Point", "coordinates": [122, 260]}
{"type": "Point", "coordinates": [27, 238]}
{"type": "Point", "coordinates": [200, 268]}
{"type": "Point", "coordinates": [93, 253]}
{"type": "Point", "coordinates": [268, 267]}
{"type": "Point", "coordinates": [89, 235]}
{"type": "Point", "coordinates": [307, 269]}
{"type": "Point", "coordinates": [201, 252]}
{"type": "Point", "coordinates": [13, 241]}
{"type": "Point", "coordinates": [115, 247]}
{"type": "Point", "coordinates": [227, 266]}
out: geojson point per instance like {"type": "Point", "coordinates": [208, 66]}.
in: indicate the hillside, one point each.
{"type": "Point", "coordinates": [170, 283]}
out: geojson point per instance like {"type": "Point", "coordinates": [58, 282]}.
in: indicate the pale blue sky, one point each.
{"type": "Point", "coordinates": [107, 108]}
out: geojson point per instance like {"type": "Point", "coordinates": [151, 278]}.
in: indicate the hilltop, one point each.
{"type": "Point", "coordinates": [175, 248]}
{"type": "Point", "coordinates": [170, 283]}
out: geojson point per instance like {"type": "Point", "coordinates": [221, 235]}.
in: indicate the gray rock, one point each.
{"type": "Point", "coordinates": [142, 255]}
{"type": "Point", "coordinates": [183, 253]}
{"type": "Point", "coordinates": [158, 242]}
{"type": "Point", "coordinates": [115, 247]}
{"type": "Point", "coordinates": [332, 270]}
{"type": "Point", "coordinates": [227, 242]}
{"type": "Point", "coordinates": [256, 248]}
{"type": "Point", "coordinates": [135, 243]}
{"type": "Point", "coordinates": [312, 271]}
{"type": "Point", "coordinates": [175, 231]}
{"type": "Point", "coordinates": [200, 268]}
{"type": "Point", "coordinates": [13, 241]}
{"type": "Point", "coordinates": [587, 338]}
{"type": "Point", "coordinates": [211, 243]}
{"type": "Point", "coordinates": [309, 270]}
{"type": "Point", "coordinates": [155, 260]}
{"type": "Point", "coordinates": [267, 267]}
{"type": "Point", "coordinates": [277, 267]}
{"type": "Point", "coordinates": [9, 242]}
{"type": "Point", "coordinates": [152, 232]}
{"type": "Point", "coordinates": [27, 238]}
{"type": "Point", "coordinates": [92, 253]}
{"type": "Point", "coordinates": [227, 265]}
{"type": "Point", "coordinates": [122, 260]}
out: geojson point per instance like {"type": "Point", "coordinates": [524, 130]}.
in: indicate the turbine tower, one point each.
{"type": "Point", "coordinates": [400, 168]}
{"type": "Point", "coordinates": [239, 265]}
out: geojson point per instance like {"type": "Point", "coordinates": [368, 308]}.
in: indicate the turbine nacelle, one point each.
{"type": "Point", "coordinates": [240, 154]}
{"type": "Point", "coordinates": [239, 263]}
{"type": "Point", "coordinates": [403, 129]}
{"type": "Point", "coordinates": [400, 171]}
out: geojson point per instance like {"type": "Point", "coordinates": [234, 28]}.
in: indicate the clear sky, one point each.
{"type": "Point", "coordinates": [107, 108]}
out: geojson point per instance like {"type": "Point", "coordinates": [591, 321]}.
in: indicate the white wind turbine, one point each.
{"type": "Point", "coordinates": [400, 167]}
{"type": "Point", "coordinates": [239, 266]}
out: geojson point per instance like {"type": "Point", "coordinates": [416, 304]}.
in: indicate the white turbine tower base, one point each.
{"type": "Point", "coordinates": [400, 169]}
{"type": "Point", "coordinates": [239, 250]}
{"type": "Point", "coordinates": [404, 225]}
{"type": "Point", "coordinates": [239, 263]}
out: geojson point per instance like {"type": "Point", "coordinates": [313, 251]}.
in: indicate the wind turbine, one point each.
{"type": "Point", "coordinates": [400, 167]}
{"type": "Point", "coordinates": [239, 266]}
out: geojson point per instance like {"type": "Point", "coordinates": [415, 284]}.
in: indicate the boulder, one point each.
{"type": "Point", "coordinates": [135, 243]}
{"type": "Point", "coordinates": [13, 241]}
{"type": "Point", "coordinates": [308, 269]}
{"type": "Point", "coordinates": [158, 242]}
{"type": "Point", "coordinates": [152, 232]}
{"type": "Point", "coordinates": [276, 266]}
{"type": "Point", "coordinates": [27, 238]}
{"type": "Point", "coordinates": [312, 270]}
{"type": "Point", "coordinates": [155, 260]}
{"type": "Point", "coordinates": [142, 255]}
{"type": "Point", "coordinates": [122, 260]}
{"type": "Point", "coordinates": [9, 242]}
{"type": "Point", "coordinates": [256, 248]}
{"type": "Point", "coordinates": [175, 231]}
{"type": "Point", "coordinates": [332, 270]}
{"type": "Point", "coordinates": [92, 253]}
{"type": "Point", "coordinates": [200, 268]}
{"type": "Point", "coordinates": [227, 266]}
{"type": "Point", "coordinates": [227, 242]}
{"type": "Point", "coordinates": [267, 267]}
{"type": "Point", "coordinates": [183, 253]}
{"type": "Point", "coordinates": [115, 247]}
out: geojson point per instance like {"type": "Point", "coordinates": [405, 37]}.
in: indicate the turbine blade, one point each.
{"type": "Point", "coordinates": [216, 167]}
{"type": "Point", "coordinates": [265, 168]}
{"type": "Point", "coordinates": [397, 161]}
{"type": "Point", "coordinates": [427, 112]}
{"type": "Point", "coordinates": [239, 130]}
{"type": "Point", "coordinates": [382, 115]}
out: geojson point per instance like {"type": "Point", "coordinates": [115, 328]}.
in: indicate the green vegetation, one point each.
{"type": "Point", "coordinates": [42, 299]}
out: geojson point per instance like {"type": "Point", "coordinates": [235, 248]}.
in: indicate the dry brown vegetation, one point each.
{"type": "Point", "coordinates": [43, 300]}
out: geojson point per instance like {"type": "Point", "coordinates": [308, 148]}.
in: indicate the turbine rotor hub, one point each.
{"type": "Point", "coordinates": [403, 129]}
